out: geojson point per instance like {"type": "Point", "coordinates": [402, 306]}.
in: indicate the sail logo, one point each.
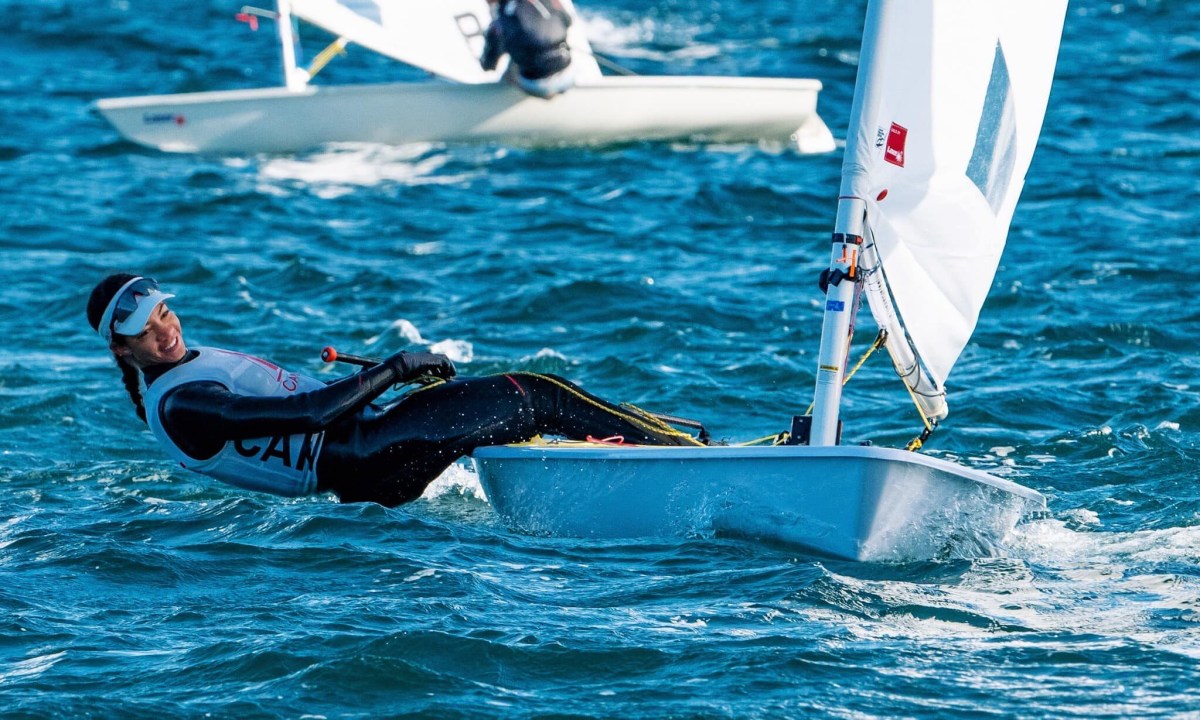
{"type": "Point", "coordinates": [897, 137]}
{"type": "Point", "coordinates": [995, 155]}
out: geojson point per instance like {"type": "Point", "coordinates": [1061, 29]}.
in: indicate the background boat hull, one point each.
{"type": "Point", "coordinates": [612, 109]}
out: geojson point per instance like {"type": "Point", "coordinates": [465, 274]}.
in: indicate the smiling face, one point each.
{"type": "Point", "coordinates": [160, 341]}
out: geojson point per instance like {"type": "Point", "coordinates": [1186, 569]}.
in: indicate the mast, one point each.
{"type": "Point", "coordinates": [294, 78]}
{"type": "Point", "coordinates": [847, 239]}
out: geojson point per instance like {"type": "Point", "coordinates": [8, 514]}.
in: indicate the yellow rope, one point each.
{"type": "Point", "coordinates": [880, 339]}
{"type": "Point", "coordinates": [423, 383]}
{"type": "Point", "coordinates": [916, 443]}
{"type": "Point", "coordinates": [776, 439]}
{"type": "Point", "coordinates": [924, 418]}
{"type": "Point", "coordinates": [647, 423]}
{"type": "Point", "coordinates": [642, 414]}
{"type": "Point", "coordinates": [337, 47]}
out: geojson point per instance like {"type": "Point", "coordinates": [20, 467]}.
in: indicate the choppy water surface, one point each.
{"type": "Point", "coordinates": [678, 278]}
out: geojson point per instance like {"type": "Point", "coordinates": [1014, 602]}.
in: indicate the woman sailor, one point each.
{"type": "Point", "coordinates": [533, 33]}
{"type": "Point", "coordinates": [250, 423]}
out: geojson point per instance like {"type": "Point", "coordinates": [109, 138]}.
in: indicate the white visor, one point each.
{"type": "Point", "coordinates": [130, 308]}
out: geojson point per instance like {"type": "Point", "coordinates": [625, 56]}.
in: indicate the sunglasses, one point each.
{"type": "Point", "coordinates": [128, 302]}
{"type": "Point", "coordinates": [122, 308]}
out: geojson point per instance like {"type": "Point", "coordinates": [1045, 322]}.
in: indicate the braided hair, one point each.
{"type": "Point", "coordinates": [101, 295]}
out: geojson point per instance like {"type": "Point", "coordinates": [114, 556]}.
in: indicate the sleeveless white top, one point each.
{"type": "Point", "coordinates": [283, 464]}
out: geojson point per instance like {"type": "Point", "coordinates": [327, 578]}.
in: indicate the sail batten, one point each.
{"type": "Point", "coordinates": [957, 93]}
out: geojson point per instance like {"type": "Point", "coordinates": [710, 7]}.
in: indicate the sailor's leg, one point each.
{"type": "Point", "coordinates": [392, 457]}
{"type": "Point", "coordinates": [550, 85]}
{"type": "Point", "coordinates": [563, 408]}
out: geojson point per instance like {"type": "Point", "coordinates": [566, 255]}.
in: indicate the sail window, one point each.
{"type": "Point", "coordinates": [367, 8]}
{"type": "Point", "coordinates": [995, 153]}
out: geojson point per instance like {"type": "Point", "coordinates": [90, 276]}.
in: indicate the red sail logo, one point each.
{"type": "Point", "coordinates": [894, 152]}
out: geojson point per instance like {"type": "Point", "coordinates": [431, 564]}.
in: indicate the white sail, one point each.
{"type": "Point", "coordinates": [444, 37]}
{"type": "Point", "coordinates": [953, 97]}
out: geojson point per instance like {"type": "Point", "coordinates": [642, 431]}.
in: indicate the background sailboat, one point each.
{"type": "Point", "coordinates": [446, 40]}
{"type": "Point", "coordinates": [948, 106]}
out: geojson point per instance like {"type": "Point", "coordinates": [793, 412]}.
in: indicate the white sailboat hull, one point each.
{"type": "Point", "coordinates": [855, 503]}
{"type": "Point", "coordinates": [606, 110]}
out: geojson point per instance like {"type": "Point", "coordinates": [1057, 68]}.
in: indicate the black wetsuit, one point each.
{"type": "Point", "coordinates": [389, 454]}
{"type": "Point", "coordinates": [533, 33]}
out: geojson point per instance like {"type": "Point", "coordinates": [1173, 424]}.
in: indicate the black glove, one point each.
{"type": "Point", "coordinates": [411, 365]}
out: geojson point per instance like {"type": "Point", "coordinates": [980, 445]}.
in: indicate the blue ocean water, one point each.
{"type": "Point", "coordinates": [680, 278]}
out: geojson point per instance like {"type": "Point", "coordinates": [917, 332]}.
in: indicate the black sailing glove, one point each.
{"type": "Point", "coordinates": [411, 365]}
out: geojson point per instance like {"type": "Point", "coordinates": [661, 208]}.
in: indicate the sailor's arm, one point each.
{"type": "Point", "coordinates": [209, 410]}
{"type": "Point", "coordinates": [493, 47]}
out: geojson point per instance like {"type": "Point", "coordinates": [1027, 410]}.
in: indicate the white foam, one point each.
{"type": "Point", "coordinates": [1083, 516]}
{"type": "Point", "coordinates": [544, 353]}
{"type": "Point", "coordinates": [1102, 589]}
{"type": "Point", "coordinates": [630, 39]}
{"type": "Point", "coordinates": [603, 32]}
{"type": "Point", "coordinates": [1110, 582]}
{"type": "Point", "coordinates": [31, 667]}
{"type": "Point", "coordinates": [432, 247]}
{"type": "Point", "coordinates": [458, 479]}
{"type": "Point", "coordinates": [341, 168]}
{"type": "Point", "coordinates": [459, 351]}
{"type": "Point", "coordinates": [404, 329]}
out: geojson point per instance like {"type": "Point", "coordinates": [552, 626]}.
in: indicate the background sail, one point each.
{"type": "Point", "coordinates": [958, 90]}
{"type": "Point", "coordinates": [444, 37]}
